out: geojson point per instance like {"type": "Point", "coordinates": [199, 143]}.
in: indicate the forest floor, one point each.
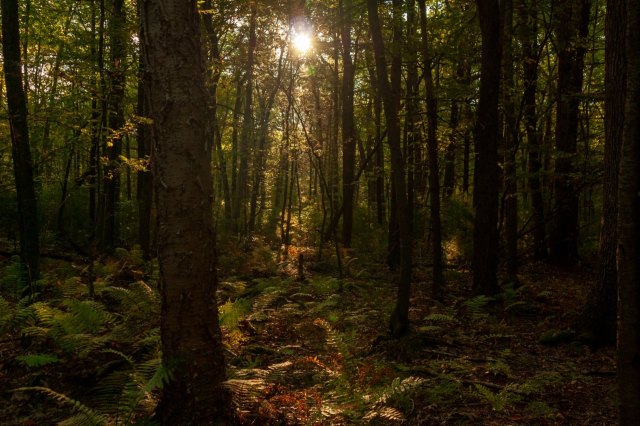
{"type": "Point", "coordinates": [309, 351]}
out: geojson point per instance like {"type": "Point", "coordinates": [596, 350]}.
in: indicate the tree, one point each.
{"type": "Point", "coordinates": [191, 339]}
{"type": "Point", "coordinates": [115, 122]}
{"type": "Point", "coordinates": [21, 153]}
{"type": "Point", "coordinates": [629, 235]}
{"type": "Point", "coordinates": [244, 148]}
{"type": "Point", "coordinates": [390, 100]}
{"type": "Point", "coordinates": [571, 28]}
{"type": "Point", "coordinates": [432, 144]}
{"type": "Point", "coordinates": [348, 129]}
{"type": "Point", "coordinates": [510, 144]}
{"type": "Point", "coordinates": [485, 231]}
{"type": "Point", "coordinates": [145, 179]}
{"type": "Point", "coordinates": [528, 35]}
{"type": "Point", "coordinates": [597, 321]}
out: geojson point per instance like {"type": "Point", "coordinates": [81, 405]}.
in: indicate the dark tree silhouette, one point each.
{"type": "Point", "coordinates": [485, 231]}
{"type": "Point", "coordinates": [191, 339]}
{"type": "Point", "coordinates": [22, 166]}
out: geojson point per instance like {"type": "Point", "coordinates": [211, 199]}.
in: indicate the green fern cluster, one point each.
{"type": "Point", "coordinates": [87, 332]}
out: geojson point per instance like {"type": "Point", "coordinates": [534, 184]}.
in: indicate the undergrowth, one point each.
{"type": "Point", "coordinates": [298, 352]}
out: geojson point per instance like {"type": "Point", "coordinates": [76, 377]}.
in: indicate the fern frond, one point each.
{"type": "Point", "coordinates": [89, 416]}
{"type": "Point", "coordinates": [120, 354]}
{"type": "Point", "coordinates": [332, 338]}
{"type": "Point", "coordinates": [400, 387]}
{"type": "Point", "coordinates": [435, 317]}
{"type": "Point", "coordinates": [245, 392]}
{"type": "Point", "coordinates": [161, 376]}
{"type": "Point", "coordinates": [477, 305]}
{"type": "Point", "coordinates": [6, 312]}
{"type": "Point", "coordinates": [37, 360]}
{"type": "Point", "coordinates": [388, 414]}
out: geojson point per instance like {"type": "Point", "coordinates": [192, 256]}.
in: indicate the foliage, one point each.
{"type": "Point", "coordinates": [37, 360]}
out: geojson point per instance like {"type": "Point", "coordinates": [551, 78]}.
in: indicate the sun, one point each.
{"type": "Point", "coordinates": [302, 42]}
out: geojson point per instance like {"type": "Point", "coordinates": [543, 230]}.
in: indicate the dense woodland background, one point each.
{"type": "Point", "coordinates": [428, 216]}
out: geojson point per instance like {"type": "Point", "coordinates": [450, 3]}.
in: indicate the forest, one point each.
{"type": "Point", "coordinates": [320, 212]}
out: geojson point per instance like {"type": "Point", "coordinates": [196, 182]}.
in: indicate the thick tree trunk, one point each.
{"type": "Point", "coordinates": [629, 235]}
{"type": "Point", "coordinates": [191, 339]}
{"type": "Point", "coordinates": [21, 153]}
{"type": "Point", "coordinates": [486, 183]}
{"type": "Point", "coordinates": [348, 129]}
{"type": "Point", "coordinates": [597, 321]}
{"type": "Point", "coordinates": [572, 25]}
{"type": "Point", "coordinates": [400, 316]}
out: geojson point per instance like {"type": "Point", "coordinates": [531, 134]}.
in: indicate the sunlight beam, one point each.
{"type": "Point", "coordinates": [302, 42]}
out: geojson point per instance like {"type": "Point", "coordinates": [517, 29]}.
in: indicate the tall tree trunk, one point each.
{"type": "Point", "coordinates": [629, 234]}
{"type": "Point", "coordinates": [191, 340]}
{"type": "Point", "coordinates": [486, 184]}
{"type": "Point", "coordinates": [144, 186]}
{"type": "Point", "coordinates": [400, 316]}
{"type": "Point", "coordinates": [449, 179]}
{"type": "Point", "coordinates": [115, 121]}
{"type": "Point", "coordinates": [212, 82]}
{"type": "Point", "coordinates": [510, 139]}
{"type": "Point", "coordinates": [244, 148]}
{"type": "Point", "coordinates": [261, 153]}
{"type": "Point", "coordinates": [571, 27]}
{"type": "Point", "coordinates": [528, 16]}
{"type": "Point", "coordinates": [379, 160]}
{"type": "Point", "coordinates": [21, 153]}
{"type": "Point", "coordinates": [348, 129]}
{"type": "Point", "coordinates": [97, 86]}
{"type": "Point", "coordinates": [597, 321]}
{"type": "Point", "coordinates": [434, 178]}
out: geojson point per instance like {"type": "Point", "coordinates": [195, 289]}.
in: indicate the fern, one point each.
{"type": "Point", "coordinates": [333, 340]}
{"type": "Point", "coordinates": [245, 392]}
{"type": "Point", "coordinates": [37, 360]}
{"type": "Point", "coordinates": [387, 414]}
{"type": "Point", "coordinates": [86, 416]}
{"type": "Point", "coordinates": [477, 306]}
{"type": "Point", "coordinates": [232, 312]}
{"type": "Point", "coordinates": [6, 313]}
{"type": "Point", "coordinates": [161, 374]}
{"type": "Point", "coordinates": [445, 318]}
{"type": "Point", "coordinates": [400, 387]}
{"type": "Point", "coordinates": [499, 401]}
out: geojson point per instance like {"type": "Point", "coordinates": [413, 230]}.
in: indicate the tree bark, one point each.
{"type": "Point", "coordinates": [21, 153]}
{"type": "Point", "coordinates": [528, 16]}
{"type": "Point", "coordinates": [629, 234]}
{"type": "Point", "coordinates": [115, 121]}
{"type": "Point", "coordinates": [144, 185]}
{"type": "Point", "coordinates": [191, 339]}
{"type": "Point", "coordinates": [510, 140]}
{"type": "Point", "coordinates": [597, 321]}
{"type": "Point", "coordinates": [244, 147]}
{"type": "Point", "coordinates": [432, 146]}
{"type": "Point", "coordinates": [486, 183]}
{"type": "Point", "coordinates": [571, 27]}
{"type": "Point", "coordinates": [348, 129]}
{"type": "Point", "coordinates": [400, 316]}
